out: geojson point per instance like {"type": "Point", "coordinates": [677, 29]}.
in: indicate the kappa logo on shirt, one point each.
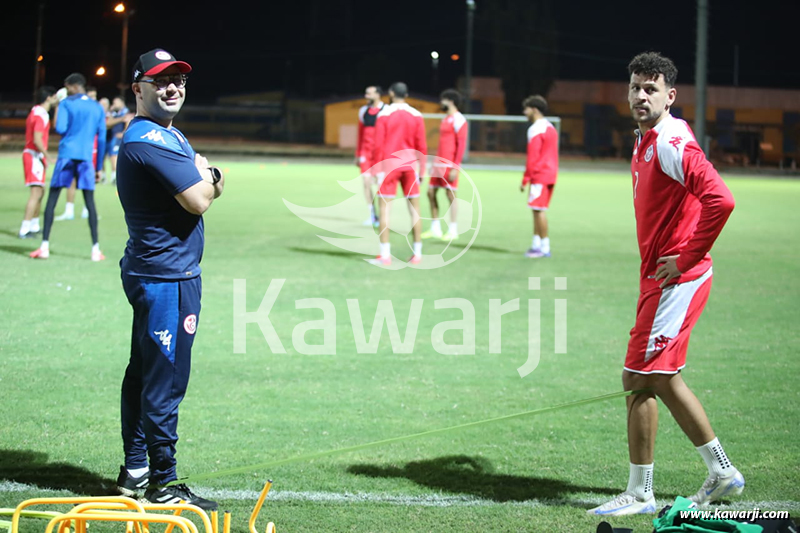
{"type": "Point", "coordinates": [164, 337]}
{"type": "Point", "coordinates": [661, 342]}
{"type": "Point", "coordinates": [154, 135]}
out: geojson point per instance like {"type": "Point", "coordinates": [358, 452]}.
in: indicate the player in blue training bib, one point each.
{"type": "Point", "coordinates": [164, 188]}
{"type": "Point", "coordinates": [79, 120]}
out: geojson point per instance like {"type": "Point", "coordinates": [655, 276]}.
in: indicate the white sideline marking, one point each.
{"type": "Point", "coordinates": [422, 500]}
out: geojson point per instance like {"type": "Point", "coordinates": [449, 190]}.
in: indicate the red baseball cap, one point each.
{"type": "Point", "coordinates": [156, 61]}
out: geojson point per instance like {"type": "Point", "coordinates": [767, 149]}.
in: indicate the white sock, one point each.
{"type": "Point", "coordinates": [25, 228]}
{"type": "Point", "coordinates": [45, 246]}
{"type": "Point", "coordinates": [715, 458]}
{"type": "Point", "coordinates": [137, 472]}
{"type": "Point", "coordinates": [453, 228]}
{"type": "Point", "coordinates": [35, 224]}
{"type": "Point", "coordinates": [113, 175]}
{"type": "Point", "coordinates": [546, 245]}
{"type": "Point", "coordinates": [69, 209]}
{"type": "Point", "coordinates": [372, 211]}
{"type": "Point", "coordinates": [640, 481]}
{"type": "Point", "coordinates": [386, 250]}
{"type": "Point", "coordinates": [436, 226]}
{"type": "Point", "coordinates": [537, 242]}
{"type": "Point", "coordinates": [96, 248]}
{"type": "Point", "coordinates": [417, 248]}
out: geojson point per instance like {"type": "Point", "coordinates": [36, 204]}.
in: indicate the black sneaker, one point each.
{"type": "Point", "coordinates": [176, 493]}
{"type": "Point", "coordinates": [130, 486]}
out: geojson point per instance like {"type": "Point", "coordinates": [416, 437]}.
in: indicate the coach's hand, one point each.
{"type": "Point", "coordinates": [200, 162]}
{"type": "Point", "coordinates": [667, 269]}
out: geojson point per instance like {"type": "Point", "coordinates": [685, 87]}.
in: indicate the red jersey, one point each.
{"type": "Point", "coordinates": [542, 164]}
{"type": "Point", "coordinates": [38, 120]}
{"type": "Point", "coordinates": [400, 127]}
{"type": "Point", "coordinates": [680, 201]}
{"type": "Point", "coordinates": [367, 117]}
{"type": "Point", "coordinates": [453, 138]}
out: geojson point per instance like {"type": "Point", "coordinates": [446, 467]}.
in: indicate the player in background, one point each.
{"type": "Point", "coordinates": [681, 205]}
{"type": "Point", "coordinates": [541, 171]}
{"type": "Point", "coordinates": [69, 208]}
{"type": "Point", "coordinates": [117, 119]}
{"type": "Point", "coordinates": [400, 127]}
{"type": "Point", "coordinates": [80, 120]}
{"type": "Point", "coordinates": [452, 143]}
{"type": "Point", "coordinates": [35, 156]}
{"type": "Point", "coordinates": [365, 149]}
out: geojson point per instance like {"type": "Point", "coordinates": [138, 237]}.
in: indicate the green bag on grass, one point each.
{"type": "Point", "coordinates": [670, 521]}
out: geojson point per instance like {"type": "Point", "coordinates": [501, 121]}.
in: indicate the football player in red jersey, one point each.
{"type": "Point", "coordinates": [401, 130]}
{"type": "Point", "coordinates": [35, 157]}
{"type": "Point", "coordinates": [541, 171]}
{"type": "Point", "coordinates": [681, 205]}
{"type": "Point", "coordinates": [444, 174]}
{"type": "Point", "coordinates": [365, 148]}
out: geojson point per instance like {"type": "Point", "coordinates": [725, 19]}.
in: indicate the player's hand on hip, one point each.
{"type": "Point", "coordinates": [667, 269]}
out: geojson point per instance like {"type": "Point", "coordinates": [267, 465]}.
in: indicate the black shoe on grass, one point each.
{"type": "Point", "coordinates": [175, 493]}
{"type": "Point", "coordinates": [130, 486]}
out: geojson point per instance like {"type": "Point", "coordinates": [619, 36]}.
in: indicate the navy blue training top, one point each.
{"type": "Point", "coordinates": [165, 241]}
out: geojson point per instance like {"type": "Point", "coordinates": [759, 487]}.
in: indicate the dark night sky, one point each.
{"type": "Point", "coordinates": [326, 49]}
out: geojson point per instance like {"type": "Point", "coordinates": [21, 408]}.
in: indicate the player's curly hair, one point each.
{"type": "Point", "coordinates": [652, 64]}
{"type": "Point", "coordinates": [537, 102]}
{"type": "Point", "coordinates": [45, 92]}
{"type": "Point", "coordinates": [452, 95]}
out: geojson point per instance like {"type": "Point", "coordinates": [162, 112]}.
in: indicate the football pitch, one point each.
{"type": "Point", "coordinates": [65, 337]}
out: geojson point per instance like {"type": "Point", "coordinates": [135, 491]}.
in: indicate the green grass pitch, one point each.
{"type": "Point", "coordinates": [65, 337]}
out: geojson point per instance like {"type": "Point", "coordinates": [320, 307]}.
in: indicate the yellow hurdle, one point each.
{"type": "Point", "coordinates": [115, 516]}
{"type": "Point", "coordinates": [257, 510]}
{"type": "Point", "coordinates": [134, 514]}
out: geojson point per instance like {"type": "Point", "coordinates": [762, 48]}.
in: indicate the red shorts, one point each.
{"type": "Point", "coordinates": [34, 168]}
{"type": "Point", "coordinates": [408, 181]}
{"type": "Point", "coordinates": [539, 198]}
{"type": "Point", "coordinates": [365, 167]}
{"type": "Point", "coordinates": [664, 322]}
{"type": "Point", "coordinates": [448, 179]}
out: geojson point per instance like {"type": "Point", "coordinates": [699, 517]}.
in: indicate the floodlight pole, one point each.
{"type": "Point", "coordinates": [124, 58]}
{"type": "Point", "coordinates": [701, 74]}
{"type": "Point", "coordinates": [36, 65]}
{"type": "Point", "coordinates": [468, 69]}
{"type": "Point", "coordinates": [468, 56]}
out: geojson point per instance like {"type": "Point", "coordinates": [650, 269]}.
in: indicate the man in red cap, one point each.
{"type": "Point", "coordinates": [164, 187]}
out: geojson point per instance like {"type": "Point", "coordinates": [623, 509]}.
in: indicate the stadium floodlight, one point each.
{"type": "Point", "coordinates": [120, 8]}
{"type": "Point", "coordinates": [434, 55]}
{"type": "Point", "coordinates": [101, 71]}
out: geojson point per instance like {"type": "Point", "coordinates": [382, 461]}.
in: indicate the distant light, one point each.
{"type": "Point", "coordinates": [101, 71]}
{"type": "Point", "coordinates": [434, 55]}
{"type": "Point", "coordinates": [455, 57]}
{"type": "Point", "coordinates": [40, 58]}
{"type": "Point", "coordinates": [120, 8]}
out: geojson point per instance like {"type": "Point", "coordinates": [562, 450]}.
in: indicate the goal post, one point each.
{"type": "Point", "coordinates": [500, 139]}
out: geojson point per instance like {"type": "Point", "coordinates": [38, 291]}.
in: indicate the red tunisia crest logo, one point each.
{"type": "Point", "coordinates": [190, 324]}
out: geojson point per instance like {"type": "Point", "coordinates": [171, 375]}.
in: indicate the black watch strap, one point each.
{"type": "Point", "coordinates": [216, 174]}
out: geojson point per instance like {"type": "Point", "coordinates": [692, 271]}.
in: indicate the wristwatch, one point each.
{"type": "Point", "coordinates": [216, 174]}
